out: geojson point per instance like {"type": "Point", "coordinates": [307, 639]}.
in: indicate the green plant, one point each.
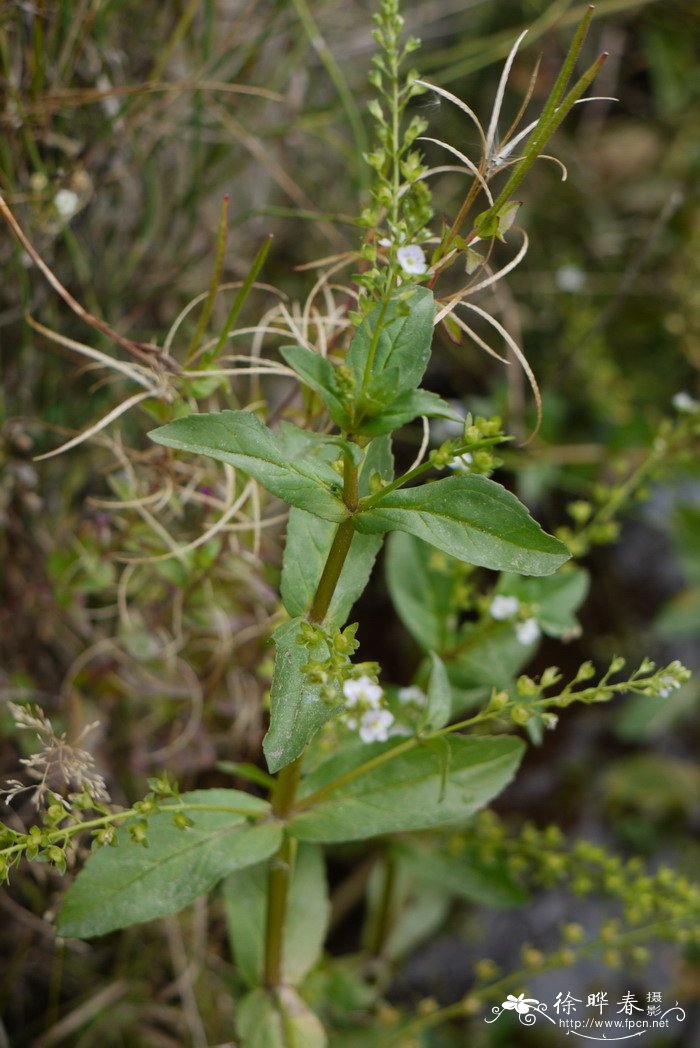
{"type": "Point", "coordinates": [407, 759]}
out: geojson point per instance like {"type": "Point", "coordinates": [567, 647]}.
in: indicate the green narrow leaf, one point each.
{"type": "Point", "coordinates": [297, 710]}
{"type": "Point", "coordinates": [213, 284]}
{"type": "Point", "coordinates": [405, 408]}
{"type": "Point", "coordinates": [462, 875]}
{"type": "Point", "coordinates": [309, 539]}
{"type": "Point", "coordinates": [395, 340]}
{"type": "Point", "coordinates": [241, 439]}
{"type": "Point", "coordinates": [421, 586]}
{"type": "Point", "coordinates": [439, 706]}
{"type": "Point", "coordinates": [318, 373]}
{"type": "Point", "coordinates": [470, 518]}
{"type": "Point", "coordinates": [404, 792]}
{"type": "Point", "coordinates": [418, 909]}
{"type": "Point", "coordinates": [308, 542]}
{"type": "Point", "coordinates": [129, 883]}
{"type": "Point", "coordinates": [555, 597]}
{"type": "Point", "coordinates": [308, 910]}
{"type": "Point", "coordinates": [484, 658]}
{"type": "Point", "coordinates": [238, 303]}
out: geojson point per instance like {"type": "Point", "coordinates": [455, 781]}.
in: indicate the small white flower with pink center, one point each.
{"type": "Point", "coordinates": [375, 724]}
{"type": "Point", "coordinates": [412, 259]}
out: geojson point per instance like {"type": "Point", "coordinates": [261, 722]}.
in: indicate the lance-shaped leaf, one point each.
{"type": "Point", "coordinates": [405, 408]}
{"type": "Point", "coordinates": [438, 708]}
{"type": "Point", "coordinates": [393, 342]}
{"type": "Point", "coordinates": [309, 540]}
{"type": "Point", "coordinates": [422, 584]}
{"type": "Point", "coordinates": [467, 871]}
{"type": "Point", "coordinates": [244, 441]}
{"type": "Point", "coordinates": [318, 373]}
{"type": "Point", "coordinates": [278, 1019]}
{"type": "Point", "coordinates": [129, 883]}
{"type": "Point", "coordinates": [555, 599]}
{"type": "Point", "coordinates": [413, 790]}
{"type": "Point", "coordinates": [308, 910]}
{"type": "Point", "coordinates": [471, 518]}
{"type": "Point", "coordinates": [297, 710]}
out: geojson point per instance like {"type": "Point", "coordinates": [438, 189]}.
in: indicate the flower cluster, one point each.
{"type": "Point", "coordinates": [341, 680]}
{"type": "Point", "coordinates": [400, 195]}
{"type": "Point", "coordinates": [53, 840]}
{"type": "Point", "coordinates": [530, 704]}
{"type": "Point", "coordinates": [473, 451]}
{"type": "Point", "coordinates": [503, 608]}
{"type": "Point", "coordinates": [364, 710]}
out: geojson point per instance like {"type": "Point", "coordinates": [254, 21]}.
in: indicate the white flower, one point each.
{"type": "Point", "coordinates": [550, 720]}
{"type": "Point", "coordinates": [520, 1004]}
{"type": "Point", "coordinates": [684, 402]}
{"type": "Point", "coordinates": [362, 692]}
{"type": "Point", "coordinates": [375, 724]}
{"type": "Point", "coordinates": [412, 259]}
{"type": "Point", "coordinates": [666, 685]}
{"type": "Point", "coordinates": [461, 463]}
{"type": "Point", "coordinates": [503, 607]}
{"type": "Point", "coordinates": [66, 203]}
{"type": "Point", "coordinates": [570, 278]}
{"type": "Point", "coordinates": [413, 695]}
{"type": "Point", "coordinates": [527, 632]}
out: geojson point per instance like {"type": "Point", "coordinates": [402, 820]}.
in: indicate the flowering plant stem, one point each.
{"type": "Point", "coordinates": [287, 781]}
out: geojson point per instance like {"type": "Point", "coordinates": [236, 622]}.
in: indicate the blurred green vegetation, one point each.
{"type": "Point", "coordinates": [143, 116]}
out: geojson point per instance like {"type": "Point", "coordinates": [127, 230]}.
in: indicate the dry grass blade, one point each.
{"type": "Point", "coordinates": [520, 356]}
{"type": "Point", "coordinates": [83, 1014]}
{"type": "Point", "coordinates": [91, 96]}
{"type": "Point", "coordinates": [110, 417]}
{"type": "Point", "coordinates": [144, 350]}
{"type": "Point", "coordinates": [143, 376]}
{"type": "Point", "coordinates": [453, 300]}
{"type": "Point", "coordinates": [460, 105]}
{"type": "Point", "coordinates": [465, 160]}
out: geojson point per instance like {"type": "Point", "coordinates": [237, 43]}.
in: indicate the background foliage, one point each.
{"type": "Point", "coordinates": [264, 101]}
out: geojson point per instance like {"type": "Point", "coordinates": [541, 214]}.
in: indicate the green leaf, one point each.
{"type": "Point", "coordinates": [309, 445]}
{"type": "Point", "coordinates": [557, 597]}
{"type": "Point", "coordinates": [439, 706]}
{"type": "Point", "coordinates": [308, 910]}
{"type": "Point", "coordinates": [404, 792]}
{"type": "Point", "coordinates": [394, 339]}
{"type": "Point", "coordinates": [278, 1019]}
{"type": "Point", "coordinates": [297, 710]}
{"type": "Point", "coordinates": [306, 550]}
{"type": "Point", "coordinates": [471, 518]}
{"type": "Point", "coordinates": [421, 584]}
{"type": "Point", "coordinates": [318, 373]}
{"type": "Point", "coordinates": [129, 883]}
{"type": "Point", "coordinates": [405, 408]}
{"type": "Point", "coordinates": [309, 539]}
{"type": "Point", "coordinates": [241, 439]}
{"type": "Point", "coordinates": [418, 910]}
{"type": "Point", "coordinates": [482, 659]}
{"type": "Point", "coordinates": [465, 874]}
